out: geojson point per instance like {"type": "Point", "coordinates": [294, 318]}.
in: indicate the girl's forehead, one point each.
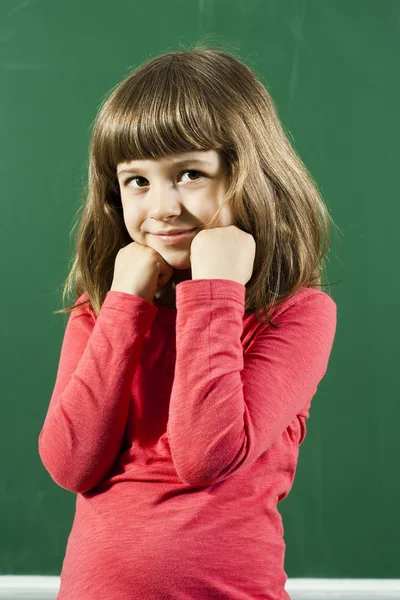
{"type": "Point", "coordinates": [202, 157]}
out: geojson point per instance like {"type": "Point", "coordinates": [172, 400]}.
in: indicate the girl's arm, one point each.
{"type": "Point", "coordinates": [85, 422]}
{"type": "Point", "coordinates": [229, 405]}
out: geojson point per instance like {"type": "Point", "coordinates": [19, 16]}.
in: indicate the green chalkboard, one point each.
{"type": "Point", "coordinates": [331, 68]}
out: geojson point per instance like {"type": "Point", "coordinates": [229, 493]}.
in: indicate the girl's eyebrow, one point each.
{"type": "Point", "coordinates": [177, 163]}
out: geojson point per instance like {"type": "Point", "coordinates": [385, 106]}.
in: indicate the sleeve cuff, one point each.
{"type": "Point", "coordinates": [193, 291]}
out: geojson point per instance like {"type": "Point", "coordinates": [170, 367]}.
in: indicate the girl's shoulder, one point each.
{"type": "Point", "coordinates": [306, 299]}
{"type": "Point", "coordinates": [310, 292]}
{"type": "Point", "coordinates": [84, 306]}
{"type": "Point", "coordinates": [82, 298]}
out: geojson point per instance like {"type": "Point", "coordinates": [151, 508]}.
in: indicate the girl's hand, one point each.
{"type": "Point", "coordinates": [140, 270]}
{"type": "Point", "coordinates": [223, 253]}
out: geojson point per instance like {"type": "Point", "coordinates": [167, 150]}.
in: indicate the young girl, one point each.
{"type": "Point", "coordinates": [179, 404]}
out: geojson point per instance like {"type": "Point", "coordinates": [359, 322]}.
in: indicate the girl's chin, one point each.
{"type": "Point", "coordinates": [182, 264]}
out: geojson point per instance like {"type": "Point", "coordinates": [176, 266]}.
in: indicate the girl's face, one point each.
{"type": "Point", "coordinates": [181, 191]}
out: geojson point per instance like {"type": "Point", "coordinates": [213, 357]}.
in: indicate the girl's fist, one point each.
{"type": "Point", "coordinates": [140, 270]}
{"type": "Point", "coordinates": [223, 253]}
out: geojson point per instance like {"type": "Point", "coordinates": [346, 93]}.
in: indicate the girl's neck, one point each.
{"type": "Point", "coordinates": [167, 295]}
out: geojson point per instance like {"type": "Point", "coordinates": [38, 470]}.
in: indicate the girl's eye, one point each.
{"type": "Point", "coordinates": [187, 171]}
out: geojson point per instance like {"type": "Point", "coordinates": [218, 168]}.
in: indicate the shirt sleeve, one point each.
{"type": "Point", "coordinates": [86, 418]}
{"type": "Point", "coordinates": [228, 406]}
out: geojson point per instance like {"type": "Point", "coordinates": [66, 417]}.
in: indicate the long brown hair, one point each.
{"type": "Point", "coordinates": [202, 99]}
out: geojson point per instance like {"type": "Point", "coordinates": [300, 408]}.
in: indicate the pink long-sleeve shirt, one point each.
{"type": "Point", "coordinates": [179, 431]}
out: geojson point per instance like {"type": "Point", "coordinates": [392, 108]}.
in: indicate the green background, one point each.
{"type": "Point", "coordinates": [330, 67]}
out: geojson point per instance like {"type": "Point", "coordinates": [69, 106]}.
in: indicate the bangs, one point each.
{"type": "Point", "coordinates": [156, 115]}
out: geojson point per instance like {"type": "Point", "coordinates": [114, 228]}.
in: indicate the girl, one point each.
{"type": "Point", "coordinates": [179, 405]}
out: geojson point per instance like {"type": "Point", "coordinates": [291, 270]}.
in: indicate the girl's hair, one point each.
{"type": "Point", "coordinates": [203, 99]}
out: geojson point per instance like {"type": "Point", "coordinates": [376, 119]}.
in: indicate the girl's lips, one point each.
{"type": "Point", "coordinates": [176, 237]}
